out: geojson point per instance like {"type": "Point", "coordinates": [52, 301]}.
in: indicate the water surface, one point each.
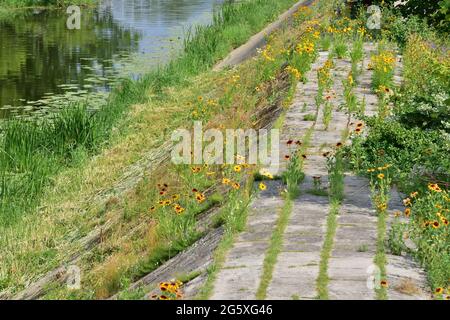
{"type": "Point", "coordinates": [43, 63]}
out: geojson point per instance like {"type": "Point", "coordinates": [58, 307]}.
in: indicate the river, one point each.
{"type": "Point", "coordinates": [44, 63]}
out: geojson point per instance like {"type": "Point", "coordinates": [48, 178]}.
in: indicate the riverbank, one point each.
{"type": "Point", "coordinates": [52, 160]}
{"type": "Point", "coordinates": [41, 4]}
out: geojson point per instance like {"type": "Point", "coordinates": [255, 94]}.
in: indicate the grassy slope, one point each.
{"type": "Point", "coordinates": [43, 238]}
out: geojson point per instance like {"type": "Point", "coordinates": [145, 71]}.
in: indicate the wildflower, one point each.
{"type": "Point", "coordinates": [382, 206]}
{"type": "Point", "coordinates": [262, 186]}
{"type": "Point", "coordinates": [287, 157]}
{"type": "Point", "coordinates": [350, 79]}
{"type": "Point", "coordinates": [339, 144]}
{"type": "Point", "coordinates": [414, 194]}
{"type": "Point", "coordinates": [434, 187]}
{"type": "Point", "coordinates": [445, 222]}
{"type": "Point", "coordinates": [163, 297]}
{"type": "Point", "coordinates": [439, 290]}
{"type": "Point", "coordinates": [236, 186]}
{"type": "Point", "coordinates": [359, 125]}
{"type": "Point", "coordinates": [226, 181]}
{"type": "Point", "coordinates": [178, 209]}
{"type": "Point", "coordinates": [152, 209]}
{"type": "Point", "coordinates": [289, 142]}
{"type": "Point", "coordinates": [200, 197]}
{"type": "Point", "coordinates": [407, 202]}
{"type": "Point", "coordinates": [370, 170]}
{"type": "Point", "coordinates": [381, 176]}
{"type": "Point", "coordinates": [237, 168]}
{"type": "Point", "coordinates": [304, 156]}
{"type": "Point", "coordinates": [407, 212]}
{"type": "Point", "coordinates": [196, 169]}
{"type": "Point", "coordinates": [436, 224]}
{"type": "Point", "coordinates": [175, 197]}
{"type": "Point", "coordinates": [326, 154]}
{"type": "Point", "coordinates": [384, 283]}
{"type": "Point", "coordinates": [294, 72]}
{"type": "Point", "coordinates": [163, 286]}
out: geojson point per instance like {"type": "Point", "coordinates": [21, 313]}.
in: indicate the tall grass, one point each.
{"type": "Point", "coordinates": [41, 3]}
{"type": "Point", "coordinates": [32, 152]}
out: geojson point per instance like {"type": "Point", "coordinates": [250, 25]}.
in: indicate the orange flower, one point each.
{"type": "Point", "coordinates": [407, 212]}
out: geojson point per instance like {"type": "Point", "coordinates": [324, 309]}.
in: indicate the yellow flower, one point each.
{"type": "Point", "coordinates": [434, 187]}
{"type": "Point", "coordinates": [262, 186]}
{"type": "Point", "coordinates": [236, 185]}
{"type": "Point", "coordinates": [439, 290]}
{"type": "Point", "coordinates": [237, 168]}
{"type": "Point", "coordinates": [350, 79]}
{"type": "Point", "coordinates": [225, 181]}
{"type": "Point", "coordinates": [381, 176]}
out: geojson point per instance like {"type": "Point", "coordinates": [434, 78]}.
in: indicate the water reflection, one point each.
{"type": "Point", "coordinates": [40, 58]}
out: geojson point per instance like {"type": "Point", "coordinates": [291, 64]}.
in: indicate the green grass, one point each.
{"type": "Point", "coordinates": [234, 216]}
{"type": "Point", "coordinates": [275, 246]}
{"type": "Point", "coordinates": [32, 152]}
{"type": "Point", "coordinates": [380, 257]}
{"type": "Point", "coordinates": [11, 4]}
{"type": "Point", "coordinates": [323, 279]}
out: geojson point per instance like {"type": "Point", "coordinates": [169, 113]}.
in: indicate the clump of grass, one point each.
{"type": "Point", "coordinates": [363, 248]}
{"type": "Point", "coordinates": [234, 216]}
{"type": "Point", "coordinates": [327, 114]}
{"type": "Point", "coordinates": [340, 48]}
{"type": "Point", "coordinates": [335, 165]}
{"type": "Point", "coordinates": [323, 279]}
{"type": "Point", "coordinates": [274, 249]}
{"type": "Point", "coordinates": [325, 42]}
{"type": "Point", "coordinates": [309, 117]}
{"type": "Point", "coordinates": [395, 238]}
{"type": "Point", "coordinates": [380, 193]}
{"type": "Point", "coordinates": [356, 55]}
{"type": "Point", "coordinates": [293, 176]}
